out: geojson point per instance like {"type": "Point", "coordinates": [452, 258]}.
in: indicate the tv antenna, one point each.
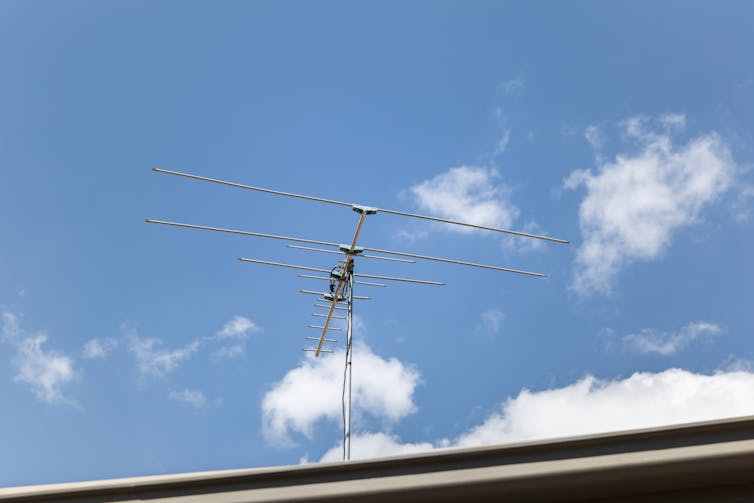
{"type": "Point", "coordinates": [339, 296]}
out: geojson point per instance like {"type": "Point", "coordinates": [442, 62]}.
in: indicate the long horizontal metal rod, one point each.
{"type": "Point", "coordinates": [244, 233]}
{"type": "Point", "coordinates": [459, 262]}
{"type": "Point", "coordinates": [317, 338]}
{"type": "Point", "coordinates": [308, 276]}
{"type": "Point", "coordinates": [334, 329]}
{"type": "Point", "coordinates": [369, 283]}
{"type": "Point", "coordinates": [343, 203]}
{"type": "Point", "coordinates": [325, 243]}
{"type": "Point", "coordinates": [358, 297]}
{"type": "Point", "coordinates": [312, 292]}
{"type": "Point", "coordinates": [405, 280]}
{"type": "Point", "coordinates": [249, 187]}
{"type": "Point", "coordinates": [278, 264]}
{"type": "Point", "coordinates": [325, 316]}
{"type": "Point", "coordinates": [475, 226]}
{"type": "Point", "coordinates": [360, 255]}
{"type": "Point", "coordinates": [328, 307]}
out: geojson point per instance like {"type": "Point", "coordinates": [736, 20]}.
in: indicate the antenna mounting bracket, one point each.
{"type": "Point", "coordinates": [364, 209]}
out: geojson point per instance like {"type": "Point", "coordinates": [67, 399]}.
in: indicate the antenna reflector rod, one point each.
{"type": "Point", "coordinates": [325, 243]}
{"type": "Point", "coordinates": [315, 350]}
{"type": "Point", "coordinates": [359, 208]}
{"type": "Point", "coordinates": [249, 187]}
{"type": "Point", "coordinates": [317, 338]}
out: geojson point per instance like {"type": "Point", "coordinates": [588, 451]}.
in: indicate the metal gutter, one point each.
{"type": "Point", "coordinates": [712, 460]}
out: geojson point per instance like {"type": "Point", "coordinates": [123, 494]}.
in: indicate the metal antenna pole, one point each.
{"type": "Point", "coordinates": [343, 274]}
{"type": "Point", "coordinates": [347, 378]}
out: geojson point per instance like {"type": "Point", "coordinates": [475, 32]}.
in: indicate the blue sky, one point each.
{"type": "Point", "coordinates": [135, 349]}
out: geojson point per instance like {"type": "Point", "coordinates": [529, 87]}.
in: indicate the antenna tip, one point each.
{"type": "Point", "coordinates": [147, 220]}
{"type": "Point", "coordinates": [155, 169]}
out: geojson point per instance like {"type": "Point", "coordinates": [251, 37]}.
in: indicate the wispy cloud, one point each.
{"type": "Point", "coordinates": [382, 388]}
{"type": "Point", "coordinates": [635, 203]}
{"type": "Point", "coordinates": [490, 322]}
{"type": "Point", "coordinates": [237, 328]}
{"type": "Point", "coordinates": [11, 327]}
{"type": "Point", "coordinates": [155, 361]}
{"type": "Point", "coordinates": [503, 141]}
{"type": "Point", "coordinates": [99, 348]}
{"type": "Point", "coordinates": [513, 85]}
{"type": "Point", "coordinates": [45, 371]}
{"type": "Point", "coordinates": [194, 398]}
{"type": "Point", "coordinates": [467, 193]}
{"type": "Point", "coordinates": [235, 331]}
{"type": "Point", "coordinates": [650, 340]}
{"type": "Point", "coordinates": [507, 89]}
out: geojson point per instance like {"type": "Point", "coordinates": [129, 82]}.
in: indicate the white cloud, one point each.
{"type": "Point", "coordinates": [468, 193]}
{"type": "Point", "coordinates": [375, 445]}
{"type": "Point", "coordinates": [594, 136]}
{"type": "Point", "coordinates": [381, 387]}
{"type": "Point", "coordinates": [152, 360]}
{"type": "Point", "coordinates": [490, 322]}
{"type": "Point", "coordinates": [635, 203]}
{"type": "Point", "coordinates": [237, 328]}
{"type": "Point", "coordinates": [45, 371]}
{"type": "Point", "coordinates": [591, 406]}
{"type": "Point", "coordinates": [650, 340]}
{"type": "Point", "coordinates": [11, 329]}
{"type": "Point", "coordinates": [741, 206]}
{"type": "Point", "coordinates": [676, 121]}
{"type": "Point", "coordinates": [194, 398]}
{"type": "Point", "coordinates": [503, 141]}
{"type": "Point", "coordinates": [99, 348]}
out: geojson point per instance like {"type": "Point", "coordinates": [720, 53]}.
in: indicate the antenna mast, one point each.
{"type": "Point", "coordinates": [347, 375]}
{"type": "Point", "coordinates": [341, 277]}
